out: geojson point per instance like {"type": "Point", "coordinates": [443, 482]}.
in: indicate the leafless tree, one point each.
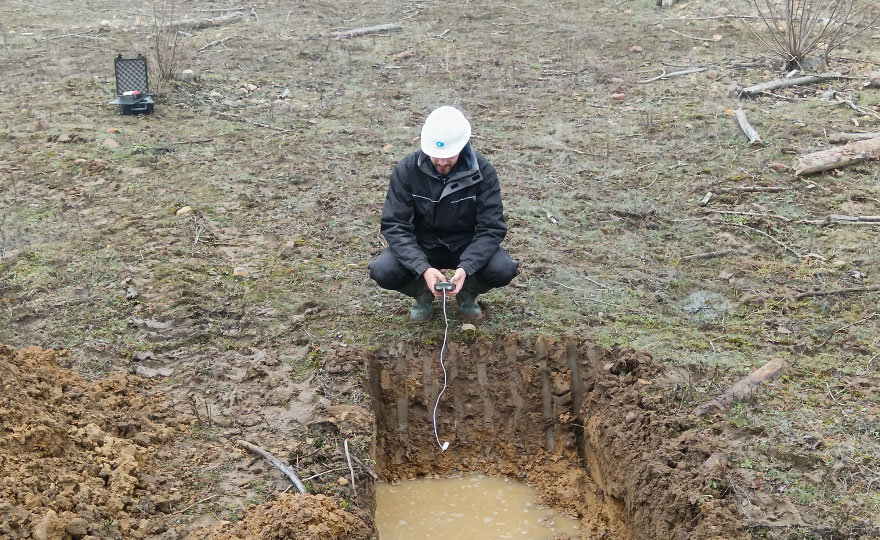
{"type": "Point", "coordinates": [800, 28]}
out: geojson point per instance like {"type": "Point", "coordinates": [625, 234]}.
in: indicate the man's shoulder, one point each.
{"type": "Point", "coordinates": [411, 161]}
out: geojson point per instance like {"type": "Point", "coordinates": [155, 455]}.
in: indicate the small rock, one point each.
{"type": "Point", "coordinates": [779, 167]}
{"type": "Point", "coordinates": [240, 271]}
{"type": "Point", "coordinates": [636, 49]}
{"type": "Point", "coordinates": [94, 433]}
{"type": "Point", "coordinates": [186, 75]}
{"type": "Point", "coordinates": [631, 416]}
{"type": "Point", "coordinates": [251, 87]}
{"type": "Point", "coordinates": [619, 96]}
{"type": "Point", "coordinates": [41, 125]}
{"type": "Point", "coordinates": [659, 27]}
{"type": "Point", "coordinates": [184, 211]}
{"type": "Point", "coordinates": [112, 130]}
{"type": "Point", "coordinates": [721, 12]}
{"type": "Point", "coordinates": [77, 527]}
{"type": "Point", "coordinates": [874, 79]}
{"type": "Point", "coordinates": [110, 143]}
{"type": "Point", "coordinates": [342, 481]}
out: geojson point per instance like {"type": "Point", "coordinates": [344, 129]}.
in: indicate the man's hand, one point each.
{"type": "Point", "coordinates": [432, 276]}
{"type": "Point", "coordinates": [458, 278]}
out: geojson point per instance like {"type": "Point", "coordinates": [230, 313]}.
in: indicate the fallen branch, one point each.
{"type": "Point", "coordinates": [842, 328]}
{"type": "Point", "coordinates": [803, 295]}
{"type": "Point", "coordinates": [697, 38]}
{"type": "Point", "coordinates": [754, 138]}
{"type": "Point", "coordinates": [713, 254]}
{"type": "Point", "coordinates": [215, 42]}
{"type": "Point", "coordinates": [365, 467]}
{"type": "Point", "coordinates": [867, 112]}
{"type": "Point", "coordinates": [195, 24]}
{"type": "Point", "coordinates": [350, 468]}
{"type": "Point", "coordinates": [674, 74]}
{"type": "Point", "coordinates": [288, 472]}
{"type": "Point", "coordinates": [785, 83]}
{"type": "Point", "coordinates": [837, 138]}
{"type": "Point", "coordinates": [367, 30]}
{"type": "Point", "coordinates": [756, 189]}
{"type": "Point", "coordinates": [743, 388]}
{"type": "Point", "coordinates": [254, 122]}
{"type": "Point", "coordinates": [834, 158]}
{"type": "Point", "coordinates": [774, 240]}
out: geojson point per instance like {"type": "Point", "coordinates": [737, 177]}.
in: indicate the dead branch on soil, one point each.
{"type": "Point", "coordinates": [743, 388]}
{"type": "Point", "coordinates": [842, 328]}
{"type": "Point", "coordinates": [288, 472]}
{"type": "Point", "coordinates": [837, 138]}
{"type": "Point", "coordinates": [674, 74]}
{"type": "Point", "coordinates": [215, 42]}
{"type": "Point", "coordinates": [772, 239]}
{"type": "Point", "coordinates": [350, 468]}
{"type": "Point", "coordinates": [853, 106]}
{"type": "Point", "coordinates": [696, 38]}
{"type": "Point", "coordinates": [713, 254]}
{"type": "Point", "coordinates": [196, 24]}
{"type": "Point", "coordinates": [254, 122]}
{"type": "Point", "coordinates": [833, 219]}
{"type": "Point", "coordinates": [367, 30]}
{"type": "Point", "coordinates": [834, 158]}
{"type": "Point", "coordinates": [754, 189]}
{"type": "Point", "coordinates": [365, 467]}
{"type": "Point", "coordinates": [746, 127]}
{"type": "Point", "coordinates": [807, 294]}
{"type": "Point", "coordinates": [755, 89]}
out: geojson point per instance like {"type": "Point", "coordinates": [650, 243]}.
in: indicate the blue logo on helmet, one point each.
{"type": "Point", "coordinates": [440, 144]}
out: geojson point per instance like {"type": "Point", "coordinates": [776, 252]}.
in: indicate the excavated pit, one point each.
{"type": "Point", "coordinates": [566, 416]}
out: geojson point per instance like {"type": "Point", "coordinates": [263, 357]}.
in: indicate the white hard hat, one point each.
{"type": "Point", "coordinates": [445, 132]}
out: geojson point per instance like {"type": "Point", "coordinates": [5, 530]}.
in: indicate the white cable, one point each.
{"type": "Point", "coordinates": [445, 444]}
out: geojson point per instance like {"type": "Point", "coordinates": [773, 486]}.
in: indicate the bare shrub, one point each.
{"type": "Point", "coordinates": [169, 49]}
{"type": "Point", "coordinates": [799, 28]}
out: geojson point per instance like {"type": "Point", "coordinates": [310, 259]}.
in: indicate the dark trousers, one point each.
{"type": "Point", "coordinates": [390, 274]}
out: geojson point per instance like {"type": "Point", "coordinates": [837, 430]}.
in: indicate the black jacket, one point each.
{"type": "Point", "coordinates": [424, 211]}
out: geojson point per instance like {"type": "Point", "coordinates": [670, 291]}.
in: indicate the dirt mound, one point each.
{"type": "Point", "coordinates": [292, 517]}
{"type": "Point", "coordinates": [77, 455]}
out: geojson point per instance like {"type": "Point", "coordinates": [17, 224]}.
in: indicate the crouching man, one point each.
{"type": "Point", "coordinates": [443, 211]}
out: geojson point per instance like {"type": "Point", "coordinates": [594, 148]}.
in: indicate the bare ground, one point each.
{"type": "Point", "coordinates": [602, 196]}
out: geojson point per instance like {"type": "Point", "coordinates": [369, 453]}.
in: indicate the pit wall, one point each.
{"type": "Point", "coordinates": [565, 416]}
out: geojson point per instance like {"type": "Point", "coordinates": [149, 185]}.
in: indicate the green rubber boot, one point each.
{"type": "Point", "coordinates": [467, 299]}
{"type": "Point", "coordinates": [422, 309]}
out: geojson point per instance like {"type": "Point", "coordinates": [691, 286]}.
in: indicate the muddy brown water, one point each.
{"type": "Point", "coordinates": [471, 507]}
{"type": "Point", "coordinates": [564, 416]}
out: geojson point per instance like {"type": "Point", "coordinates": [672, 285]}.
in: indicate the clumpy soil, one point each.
{"type": "Point", "coordinates": [80, 457]}
{"type": "Point", "coordinates": [303, 517]}
{"type": "Point", "coordinates": [565, 416]}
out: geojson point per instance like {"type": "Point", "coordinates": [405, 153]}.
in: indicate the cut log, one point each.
{"type": "Point", "coordinates": [784, 83]}
{"type": "Point", "coordinates": [743, 388]}
{"type": "Point", "coordinates": [835, 158]}
{"type": "Point", "coordinates": [754, 138]}
{"type": "Point", "coordinates": [195, 24]}
{"type": "Point", "coordinates": [367, 30]}
{"type": "Point", "coordinates": [837, 138]}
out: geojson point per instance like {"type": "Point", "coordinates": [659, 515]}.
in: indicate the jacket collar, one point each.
{"type": "Point", "coordinates": [468, 168]}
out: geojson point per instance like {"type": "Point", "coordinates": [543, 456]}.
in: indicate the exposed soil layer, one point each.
{"type": "Point", "coordinates": [78, 457]}
{"type": "Point", "coordinates": [566, 417]}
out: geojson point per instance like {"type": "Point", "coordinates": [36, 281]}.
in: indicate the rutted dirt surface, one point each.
{"type": "Point", "coordinates": [566, 417]}
{"type": "Point", "coordinates": [79, 457]}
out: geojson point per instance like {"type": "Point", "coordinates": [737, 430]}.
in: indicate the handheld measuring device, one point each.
{"type": "Point", "coordinates": [444, 286]}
